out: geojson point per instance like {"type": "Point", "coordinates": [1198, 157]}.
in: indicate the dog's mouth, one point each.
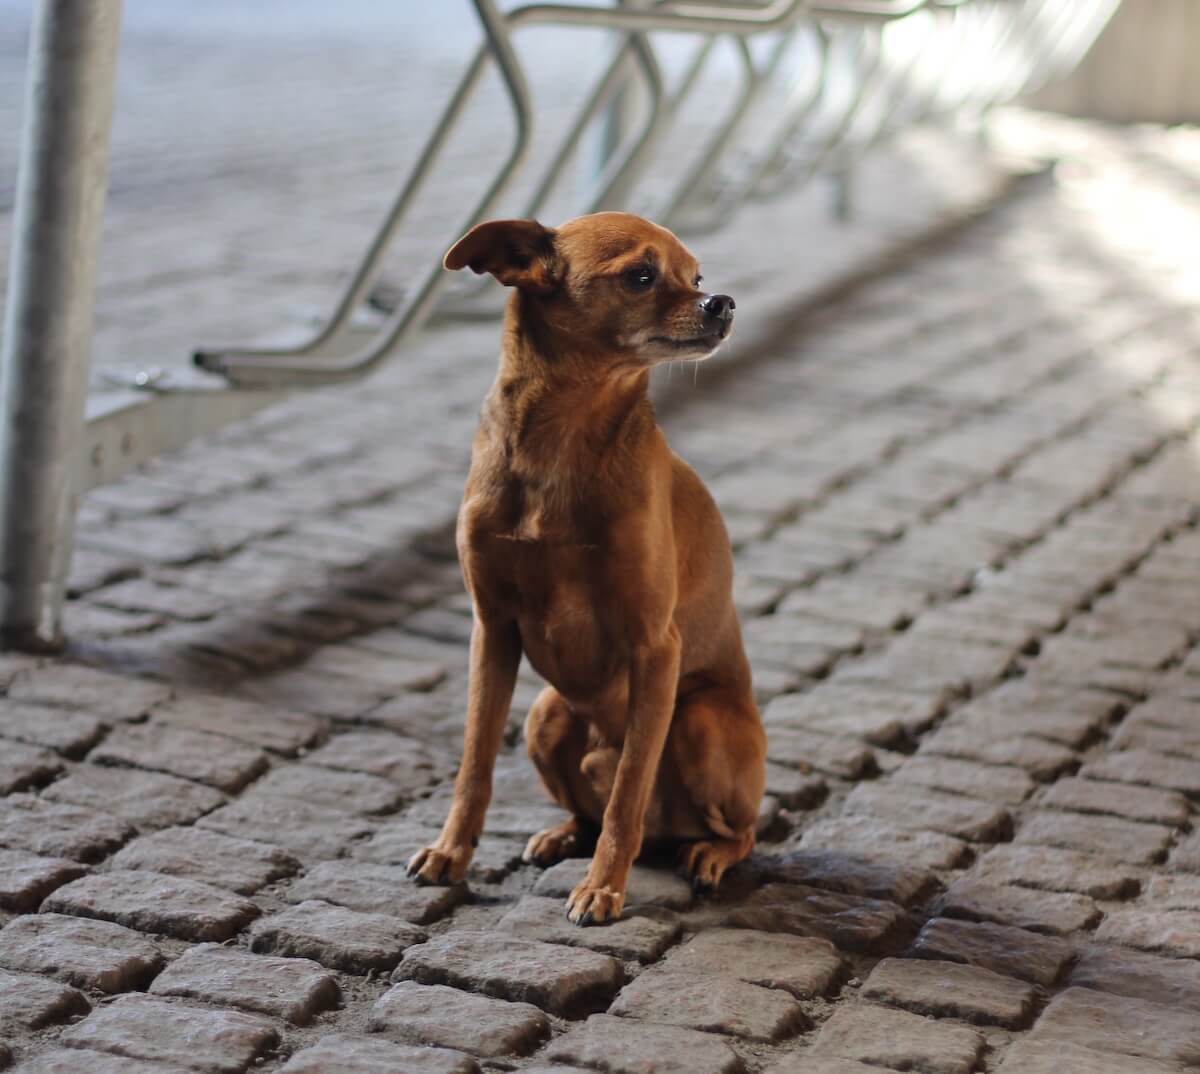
{"type": "Point", "coordinates": [707, 341]}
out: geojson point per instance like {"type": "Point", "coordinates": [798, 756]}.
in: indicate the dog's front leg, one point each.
{"type": "Point", "coordinates": [653, 681]}
{"type": "Point", "coordinates": [495, 655]}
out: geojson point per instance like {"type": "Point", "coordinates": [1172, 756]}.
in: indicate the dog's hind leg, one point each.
{"type": "Point", "coordinates": [717, 750]}
{"type": "Point", "coordinates": [557, 742]}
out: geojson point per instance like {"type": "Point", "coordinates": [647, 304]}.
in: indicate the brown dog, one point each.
{"type": "Point", "coordinates": [589, 546]}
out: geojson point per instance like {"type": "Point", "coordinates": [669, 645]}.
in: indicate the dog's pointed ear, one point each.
{"type": "Point", "coordinates": [519, 253]}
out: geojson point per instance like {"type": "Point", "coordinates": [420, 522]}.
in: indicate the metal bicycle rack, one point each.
{"type": "Point", "coordinates": [838, 78]}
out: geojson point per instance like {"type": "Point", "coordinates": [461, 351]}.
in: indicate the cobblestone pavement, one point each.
{"type": "Point", "coordinates": [964, 500]}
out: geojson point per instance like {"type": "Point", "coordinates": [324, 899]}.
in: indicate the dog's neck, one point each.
{"type": "Point", "coordinates": [559, 407]}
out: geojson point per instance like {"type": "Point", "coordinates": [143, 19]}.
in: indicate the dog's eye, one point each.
{"type": "Point", "coordinates": [697, 282]}
{"type": "Point", "coordinates": [640, 279]}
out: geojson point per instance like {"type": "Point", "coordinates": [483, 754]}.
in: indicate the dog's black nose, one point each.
{"type": "Point", "coordinates": [721, 306]}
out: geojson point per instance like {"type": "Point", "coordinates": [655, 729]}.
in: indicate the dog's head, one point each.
{"type": "Point", "coordinates": [610, 283]}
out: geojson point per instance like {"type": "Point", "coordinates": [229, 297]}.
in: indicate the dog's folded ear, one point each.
{"type": "Point", "coordinates": [519, 253]}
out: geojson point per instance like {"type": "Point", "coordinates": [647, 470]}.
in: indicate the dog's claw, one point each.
{"type": "Point", "coordinates": [432, 865]}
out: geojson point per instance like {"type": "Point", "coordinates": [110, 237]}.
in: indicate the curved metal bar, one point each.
{"type": "Point", "coordinates": [621, 170]}
{"type": "Point", "coordinates": [753, 82]}
{"type": "Point", "coordinates": [274, 361]}
{"type": "Point", "coordinates": [772, 158]}
{"type": "Point", "coordinates": [810, 164]}
{"type": "Point", "coordinates": [273, 367]}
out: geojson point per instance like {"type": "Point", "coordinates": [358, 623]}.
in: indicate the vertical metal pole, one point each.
{"type": "Point", "coordinates": [46, 344]}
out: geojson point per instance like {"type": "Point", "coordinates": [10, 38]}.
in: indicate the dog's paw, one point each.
{"type": "Point", "coordinates": [590, 905]}
{"type": "Point", "coordinates": [433, 865]}
{"type": "Point", "coordinates": [552, 844]}
{"type": "Point", "coordinates": [705, 863]}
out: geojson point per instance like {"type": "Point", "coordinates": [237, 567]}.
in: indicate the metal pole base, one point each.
{"type": "Point", "coordinates": [48, 327]}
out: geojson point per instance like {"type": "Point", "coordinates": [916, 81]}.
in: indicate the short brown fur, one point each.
{"type": "Point", "coordinates": [590, 547]}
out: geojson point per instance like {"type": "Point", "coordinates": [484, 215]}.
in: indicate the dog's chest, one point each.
{"type": "Point", "coordinates": [567, 616]}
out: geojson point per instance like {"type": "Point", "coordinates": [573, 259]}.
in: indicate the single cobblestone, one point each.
{"type": "Point", "coordinates": [142, 1027]}
{"type": "Point", "coordinates": [951, 990]}
{"type": "Point", "coordinates": [715, 1002]}
{"type": "Point", "coordinates": [1120, 839]}
{"type": "Point", "coordinates": [70, 733]}
{"type": "Point", "coordinates": [448, 1018]}
{"type": "Point", "coordinates": [359, 1055]}
{"type": "Point", "coordinates": [881, 717]}
{"type": "Point", "coordinates": [306, 831]}
{"type": "Point", "coordinates": [26, 879]}
{"type": "Point", "coordinates": [1174, 982]}
{"type": "Point", "coordinates": [848, 921]}
{"type": "Point", "coordinates": [146, 800]}
{"type": "Point", "coordinates": [1135, 803]}
{"type": "Point", "coordinates": [268, 728]}
{"type": "Point", "coordinates": [882, 1037]}
{"type": "Point", "coordinates": [1043, 760]}
{"type": "Point", "coordinates": [1120, 1024]}
{"type": "Point", "coordinates": [964, 818]}
{"type": "Point", "coordinates": [98, 693]}
{"type": "Point", "coordinates": [236, 864]}
{"type": "Point", "coordinates": [852, 874]}
{"type": "Point", "coordinates": [879, 839]}
{"type": "Point", "coordinates": [1055, 869]}
{"type": "Point", "coordinates": [335, 937]}
{"type": "Point", "coordinates": [1002, 949]}
{"type": "Point", "coordinates": [66, 1061]}
{"type": "Point", "coordinates": [803, 966]}
{"type": "Point", "coordinates": [59, 831]}
{"type": "Point", "coordinates": [29, 1002]}
{"type": "Point", "coordinates": [562, 980]}
{"type": "Point", "coordinates": [1054, 913]}
{"type": "Point", "coordinates": [1149, 768]}
{"type": "Point", "coordinates": [1172, 933]}
{"type": "Point", "coordinates": [844, 758]}
{"type": "Point", "coordinates": [294, 989]}
{"type": "Point", "coordinates": [349, 792]}
{"type": "Point", "coordinates": [197, 755]}
{"type": "Point", "coordinates": [150, 902]}
{"type": "Point", "coordinates": [1005, 784]}
{"type": "Point", "coordinates": [1173, 892]}
{"type": "Point", "coordinates": [88, 954]}
{"type": "Point", "coordinates": [622, 1046]}
{"type": "Point", "coordinates": [412, 764]}
{"type": "Point", "coordinates": [1034, 1057]}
